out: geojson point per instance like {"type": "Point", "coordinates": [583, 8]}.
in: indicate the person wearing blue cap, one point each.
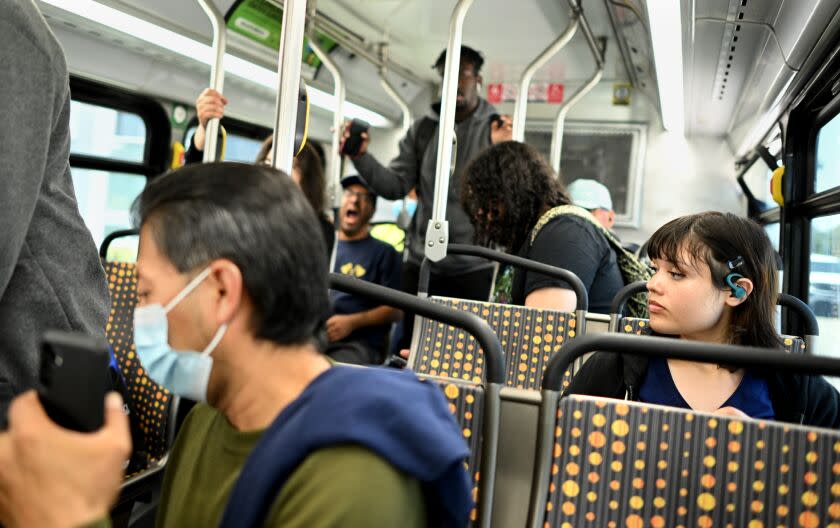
{"type": "Point", "coordinates": [358, 329]}
{"type": "Point", "coordinates": [595, 197]}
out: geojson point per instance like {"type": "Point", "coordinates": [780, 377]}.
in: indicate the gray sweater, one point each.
{"type": "Point", "coordinates": [50, 274]}
{"type": "Point", "coordinates": [394, 182]}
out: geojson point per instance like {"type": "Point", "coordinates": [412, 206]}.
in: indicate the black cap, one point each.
{"type": "Point", "coordinates": [355, 179]}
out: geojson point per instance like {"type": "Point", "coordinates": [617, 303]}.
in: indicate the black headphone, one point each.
{"type": "Point", "coordinates": [738, 291]}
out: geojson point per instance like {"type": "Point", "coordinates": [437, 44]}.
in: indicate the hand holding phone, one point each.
{"type": "Point", "coordinates": [74, 379]}
{"type": "Point", "coordinates": [353, 141]}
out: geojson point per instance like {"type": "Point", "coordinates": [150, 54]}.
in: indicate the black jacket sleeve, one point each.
{"type": "Point", "coordinates": [601, 375]}
{"type": "Point", "coordinates": [823, 404]}
{"type": "Point", "coordinates": [193, 155]}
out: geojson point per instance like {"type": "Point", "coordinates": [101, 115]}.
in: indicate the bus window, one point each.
{"type": "Point", "coordinates": [237, 148]}
{"type": "Point", "coordinates": [828, 156]}
{"type": "Point", "coordinates": [106, 133]}
{"type": "Point", "coordinates": [824, 282]}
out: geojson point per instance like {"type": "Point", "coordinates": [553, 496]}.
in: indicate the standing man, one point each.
{"type": "Point", "coordinates": [359, 328]}
{"type": "Point", "coordinates": [50, 274]}
{"type": "Point", "coordinates": [415, 165]}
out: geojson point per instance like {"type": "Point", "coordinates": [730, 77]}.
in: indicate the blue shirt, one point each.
{"type": "Point", "coordinates": [371, 260]}
{"type": "Point", "coordinates": [752, 396]}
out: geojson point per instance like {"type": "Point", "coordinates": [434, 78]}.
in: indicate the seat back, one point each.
{"type": "Point", "coordinates": [467, 404]}
{"type": "Point", "coordinates": [633, 325]}
{"type": "Point", "coordinates": [150, 403]}
{"type": "Point", "coordinates": [617, 463]}
{"type": "Point", "coordinates": [529, 336]}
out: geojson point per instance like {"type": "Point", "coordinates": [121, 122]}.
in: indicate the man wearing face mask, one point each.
{"type": "Point", "coordinates": [415, 166]}
{"type": "Point", "coordinates": [233, 299]}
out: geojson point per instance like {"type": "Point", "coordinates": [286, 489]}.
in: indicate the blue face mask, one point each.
{"type": "Point", "coordinates": [185, 373]}
{"type": "Point", "coordinates": [404, 211]}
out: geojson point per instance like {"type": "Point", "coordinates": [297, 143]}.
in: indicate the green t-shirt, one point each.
{"type": "Point", "coordinates": [345, 485]}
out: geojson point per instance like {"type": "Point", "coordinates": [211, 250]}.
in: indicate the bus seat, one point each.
{"type": "Point", "coordinates": [619, 463]}
{"type": "Point", "coordinates": [466, 403]}
{"type": "Point", "coordinates": [151, 403]}
{"type": "Point", "coordinates": [529, 336]}
{"type": "Point", "coordinates": [633, 325]}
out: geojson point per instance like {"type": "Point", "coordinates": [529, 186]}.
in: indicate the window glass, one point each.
{"type": "Point", "coordinates": [824, 283]}
{"type": "Point", "coordinates": [106, 133]}
{"type": "Point", "coordinates": [828, 156]}
{"type": "Point", "coordinates": [238, 148]}
{"type": "Point", "coordinates": [757, 179]}
{"type": "Point", "coordinates": [105, 200]}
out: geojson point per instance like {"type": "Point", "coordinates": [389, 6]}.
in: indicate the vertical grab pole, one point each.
{"type": "Point", "coordinates": [338, 116]}
{"type": "Point", "coordinates": [437, 232]}
{"type": "Point", "coordinates": [521, 105]}
{"type": "Point", "coordinates": [217, 73]}
{"type": "Point", "coordinates": [392, 92]}
{"type": "Point", "coordinates": [289, 64]}
{"type": "Point", "coordinates": [560, 120]}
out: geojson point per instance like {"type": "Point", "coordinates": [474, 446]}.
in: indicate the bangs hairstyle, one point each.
{"type": "Point", "coordinates": [256, 217]}
{"type": "Point", "coordinates": [513, 185]}
{"type": "Point", "coordinates": [713, 239]}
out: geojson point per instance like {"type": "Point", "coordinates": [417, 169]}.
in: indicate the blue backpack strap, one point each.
{"type": "Point", "coordinates": [422, 441]}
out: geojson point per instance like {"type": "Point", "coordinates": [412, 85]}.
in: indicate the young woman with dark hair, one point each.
{"type": "Point", "coordinates": [715, 281]}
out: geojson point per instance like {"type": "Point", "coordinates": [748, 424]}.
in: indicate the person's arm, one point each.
{"type": "Point", "coordinates": [348, 487]}
{"type": "Point", "coordinates": [52, 477]}
{"type": "Point", "coordinates": [341, 326]}
{"type": "Point", "coordinates": [35, 104]}
{"type": "Point", "coordinates": [396, 180]}
{"type": "Point", "coordinates": [823, 408]}
{"type": "Point", "coordinates": [210, 104]}
{"type": "Point", "coordinates": [565, 244]}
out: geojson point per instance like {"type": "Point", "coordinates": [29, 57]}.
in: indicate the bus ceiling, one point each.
{"type": "Point", "coordinates": [740, 58]}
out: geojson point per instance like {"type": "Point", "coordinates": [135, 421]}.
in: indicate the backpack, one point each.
{"type": "Point", "coordinates": [632, 269]}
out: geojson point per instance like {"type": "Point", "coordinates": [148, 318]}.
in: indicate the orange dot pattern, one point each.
{"type": "Point", "coordinates": [466, 402]}
{"type": "Point", "coordinates": [150, 402]}
{"type": "Point", "coordinates": [682, 468]}
{"type": "Point", "coordinates": [633, 325]}
{"type": "Point", "coordinates": [529, 337]}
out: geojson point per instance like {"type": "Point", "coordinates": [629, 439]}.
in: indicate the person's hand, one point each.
{"type": "Point", "coordinates": [52, 477]}
{"type": "Point", "coordinates": [345, 135]}
{"type": "Point", "coordinates": [501, 131]}
{"type": "Point", "coordinates": [404, 353]}
{"type": "Point", "coordinates": [339, 327]}
{"type": "Point", "coordinates": [733, 412]}
{"type": "Point", "coordinates": [209, 105]}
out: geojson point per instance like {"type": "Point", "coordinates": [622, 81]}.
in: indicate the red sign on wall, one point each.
{"type": "Point", "coordinates": [538, 92]}
{"type": "Point", "coordinates": [494, 93]}
{"type": "Point", "coordinates": [555, 93]}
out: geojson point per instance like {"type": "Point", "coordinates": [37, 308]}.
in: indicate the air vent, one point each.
{"type": "Point", "coordinates": [729, 49]}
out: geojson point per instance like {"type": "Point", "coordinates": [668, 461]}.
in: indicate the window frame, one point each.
{"type": "Point", "coordinates": [158, 129]}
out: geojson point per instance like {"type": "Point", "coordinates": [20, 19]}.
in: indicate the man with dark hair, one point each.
{"type": "Point", "coordinates": [232, 287]}
{"type": "Point", "coordinates": [50, 273]}
{"type": "Point", "coordinates": [359, 327]}
{"type": "Point", "coordinates": [415, 166]}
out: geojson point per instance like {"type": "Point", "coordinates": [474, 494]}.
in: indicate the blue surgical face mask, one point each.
{"type": "Point", "coordinates": [185, 373]}
{"type": "Point", "coordinates": [404, 211]}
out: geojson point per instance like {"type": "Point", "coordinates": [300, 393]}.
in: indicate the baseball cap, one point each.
{"type": "Point", "coordinates": [355, 179]}
{"type": "Point", "coordinates": [590, 194]}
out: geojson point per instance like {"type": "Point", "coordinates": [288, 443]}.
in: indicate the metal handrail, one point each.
{"type": "Point", "coordinates": [521, 105]}
{"type": "Point", "coordinates": [391, 91]}
{"type": "Point", "coordinates": [217, 73]}
{"type": "Point", "coordinates": [487, 339]}
{"type": "Point", "coordinates": [560, 120]}
{"type": "Point", "coordinates": [289, 66]}
{"type": "Point", "coordinates": [437, 232]}
{"type": "Point", "coordinates": [339, 92]}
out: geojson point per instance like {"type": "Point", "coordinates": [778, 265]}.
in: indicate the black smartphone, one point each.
{"type": "Point", "coordinates": [74, 379]}
{"type": "Point", "coordinates": [353, 143]}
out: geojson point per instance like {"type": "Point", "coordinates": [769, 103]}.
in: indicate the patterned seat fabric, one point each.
{"type": "Point", "coordinates": [150, 402]}
{"type": "Point", "coordinates": [466, 402]}
{"type": "Point", "coordinates": [632, 325]}
{"type": "Point", "coordinates": [529, 337]}
{"type": "Point", "coordinates": [618, 464]}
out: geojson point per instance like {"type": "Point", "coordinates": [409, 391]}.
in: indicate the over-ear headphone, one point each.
{"type": "Point", "coordinates": [738, 291]}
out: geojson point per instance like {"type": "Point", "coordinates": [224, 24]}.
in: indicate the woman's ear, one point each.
{"type": "Point", "coordinates": [745, 285]}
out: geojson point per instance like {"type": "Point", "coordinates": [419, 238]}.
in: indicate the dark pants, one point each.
{"type": "Point", "coordinates": [355, 353]}
{"type": "Point", "coordinates": [473, 285]}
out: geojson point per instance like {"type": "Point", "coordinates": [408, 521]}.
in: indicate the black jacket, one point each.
{"type": "Point", "coordinates": [796, 398]}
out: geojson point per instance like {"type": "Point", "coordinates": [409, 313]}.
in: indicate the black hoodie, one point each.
{"type": "Point", "coordinates": [796, 398]}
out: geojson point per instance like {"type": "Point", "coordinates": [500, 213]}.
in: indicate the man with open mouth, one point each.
{"type": "Point", "coordinates": [359, 328]}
